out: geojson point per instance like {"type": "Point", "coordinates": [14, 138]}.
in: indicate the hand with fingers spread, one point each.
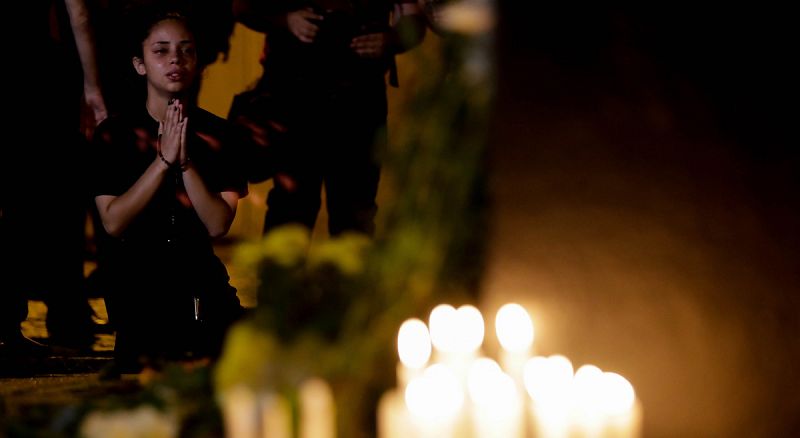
{"type": "Point", "coordinates": [173, 135]}
{"type": "Point", "coordinates": [301, 24]}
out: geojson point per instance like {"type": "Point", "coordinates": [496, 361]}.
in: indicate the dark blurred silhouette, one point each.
{"type": "Point", "coordinates": [44, 200]}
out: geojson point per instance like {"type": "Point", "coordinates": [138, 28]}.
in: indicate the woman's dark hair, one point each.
{"type": "Point", "coordinates": [211, 23]}
{"type": "Point", "coordinates": [143, 17]}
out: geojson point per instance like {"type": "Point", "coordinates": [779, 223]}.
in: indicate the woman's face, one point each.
{"type": "Point", "coordinates": [169, 58]}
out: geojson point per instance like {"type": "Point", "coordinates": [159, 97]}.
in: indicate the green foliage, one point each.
{"type": "Point", "coordinates": [333, 310]}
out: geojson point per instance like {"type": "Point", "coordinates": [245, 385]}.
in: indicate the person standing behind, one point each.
{"type": "Point", "coordinates": [165, 185]}
{"type": "Point", "coordinates": [324, 70]}
{"type": "Point", "coordinates": [43, 216]}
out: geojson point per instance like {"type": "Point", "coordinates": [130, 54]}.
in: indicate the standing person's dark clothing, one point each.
{"type": "Point", "coordinates": [43, 216]}
{"type": "Point", "coordinates": [330, 100]}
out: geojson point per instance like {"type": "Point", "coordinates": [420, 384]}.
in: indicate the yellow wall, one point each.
{"type": "Point", "coordinates": [221, 81]}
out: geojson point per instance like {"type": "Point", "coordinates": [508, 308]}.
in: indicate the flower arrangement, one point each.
{"type": "Point", "coordinates": [304, 295]}
{"type": "Point", "coordinates": [313, 308]}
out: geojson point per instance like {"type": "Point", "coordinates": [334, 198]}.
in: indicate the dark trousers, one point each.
{"type": "Point", "coordinates": [42, 234]}
{"type": "Point", "coordinates": [151, 300]}
{"type": "Point", "coordinates": [332, 139]}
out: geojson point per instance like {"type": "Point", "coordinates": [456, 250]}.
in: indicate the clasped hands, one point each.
{"type": "Point", "coordinates": [172, 137]}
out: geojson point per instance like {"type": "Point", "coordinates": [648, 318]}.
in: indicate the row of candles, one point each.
{"type": "Point", "coordinates": [446, 388]}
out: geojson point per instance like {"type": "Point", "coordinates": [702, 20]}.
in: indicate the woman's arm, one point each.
{"type": "Point", "coordinates": [216, 210]}
{"type": "Point", "coordinates": [117, 212]}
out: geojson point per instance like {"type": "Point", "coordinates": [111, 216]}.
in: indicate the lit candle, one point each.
{"type": "Point", "coordinates": [457, 336]}
{"type": "Point", "coordinates": [548, 381]}
{"type": "Point", "coordinates": [435, 400]}
{"type": "Point", "coordinates": [414, 350]}
{"type": "Point", "coordinates": [623, 412]}
{"type": "Point", "coordinates": [442, 323]}
{"type": "Point", "coordinates": [469, 329]}
{"type": "Point", "coordinates": [317, 410]}
{"type": "Point", "coordinates": [587, 400]}
{"type": "Point", "coordinates": [496, 408]}
{"type": "Point", "coordinates": [515, 332]}
{"type": "Point", "coordinates": [605, 405]}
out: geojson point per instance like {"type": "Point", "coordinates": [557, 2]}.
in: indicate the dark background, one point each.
{"type": "Point", "coordinates": [645, 204]}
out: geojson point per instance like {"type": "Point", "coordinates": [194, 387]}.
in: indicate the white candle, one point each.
{"type": "Point", "coordinates": [276, 417]}
{"type": "Point", "coordinates": [469, 330]}
{"type": "Point", "coordinates": [605, 405]}
{"type": "Point", "coordinates": [623, 412]}
{"type": "Point", "coordinates": [548, 381]}
{"type": "Point", "coordinates": [317, 410]}
{"type": "Point", "coordinates": [240, 412]}
{"type": "Point", "coordinates": [414, 350]}
{"type": "Point", "coordinates": [627, 424]}
{"type": "Point", "coordinates": [442, 323]}
{"type": "Point", "coordinates": [457, 336]}
{"type": "Point", "coordinates": [394, 420]}
{"type": "Point", "coordinates": [496, 408]}
{"type": "Point", "coordinates": [515, 332]}
{"type": "Point", "coordinates": [435, 401]}
{"type": "Point", "coordinates": [587, 400]}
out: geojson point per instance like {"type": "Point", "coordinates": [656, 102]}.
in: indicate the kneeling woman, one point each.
{"type": "Point", "coordinates": [166, 184]}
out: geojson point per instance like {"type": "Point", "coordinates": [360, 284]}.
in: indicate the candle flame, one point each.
{"type": "Point", "coordinates": [456, 331]}
{"type": "Point", "coordinates": [414, 343]}
{"type": "Point", "coordinates": [514, 328]}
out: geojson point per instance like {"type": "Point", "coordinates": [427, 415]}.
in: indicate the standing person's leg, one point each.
{"type": "Point", "coordinates": [296, 195]}
{"type": "Point", "coordinates": [351, 186]}
{"type": "Point", "coordinates": [352, 170]}
{"type": "Point", "coordinates": [61, 222]}
{"type": "Point", "coordinates": [296, 200]}
{"type": "Point", "coordinates": [13, 302]}
{"type": "Point", "coordinates": [18, 269]}
{"type": "Point", "coordinates": [18, 196]}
